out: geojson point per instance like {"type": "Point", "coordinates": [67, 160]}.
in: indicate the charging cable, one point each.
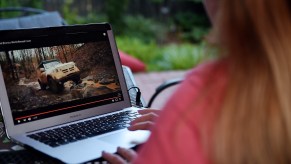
{"type": "Point", "coordinates": [138, 95]}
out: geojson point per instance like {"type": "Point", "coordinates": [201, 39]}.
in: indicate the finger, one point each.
{"type": "Point", "coordinates": [145, 111]}
{"type": "Point", "coordinates": [127, 154]}
{"type": "Point", "coordinates": [147, 117]}
{"type": "Point", "coordinates": [141, 126]}
{"type": "Point", "coordinates": [113, 158]}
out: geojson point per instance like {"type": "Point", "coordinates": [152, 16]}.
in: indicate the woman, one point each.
{"type": "Point", "coordinates": [236, 109]}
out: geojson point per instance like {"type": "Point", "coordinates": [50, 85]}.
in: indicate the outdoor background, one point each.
{"type": "Point", "coordinates": [164, 34]}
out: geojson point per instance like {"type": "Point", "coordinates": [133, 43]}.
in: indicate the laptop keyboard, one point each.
{"type": "Point", "coordinates": [82, 130]}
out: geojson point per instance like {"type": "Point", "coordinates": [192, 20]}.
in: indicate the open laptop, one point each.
{"type": "Point", "coordinates": [63, 92]}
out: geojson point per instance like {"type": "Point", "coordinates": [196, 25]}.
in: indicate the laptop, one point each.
{"type": "Point", "coordinates": [63, 92]}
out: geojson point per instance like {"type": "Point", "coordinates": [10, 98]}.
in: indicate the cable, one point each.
{"type": "Point", "coordinates": [138, 95]}
{"type": "Point", "coordinates": [162, 87]}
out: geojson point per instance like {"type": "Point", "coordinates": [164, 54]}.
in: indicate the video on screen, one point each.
{"type": "Point", "coordinates": [41, 77]}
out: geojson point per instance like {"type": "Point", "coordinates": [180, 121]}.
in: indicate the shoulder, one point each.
{"type": "Point", "coordinates": [207, 71]}
{"type": "Point", "coordinates": [201, 92]}
{"type": "Point", "coordinates": [211, 75]}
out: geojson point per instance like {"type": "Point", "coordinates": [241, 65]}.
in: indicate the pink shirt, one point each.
{"type": "Point", "coordinates": [176, 138]}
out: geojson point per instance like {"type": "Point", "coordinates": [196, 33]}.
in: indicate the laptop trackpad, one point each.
{"type": "Point", "coordinates": [127, 138]}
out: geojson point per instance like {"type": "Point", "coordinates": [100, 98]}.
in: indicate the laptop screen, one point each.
{"type": "Point", "coordinates": [57, 74]}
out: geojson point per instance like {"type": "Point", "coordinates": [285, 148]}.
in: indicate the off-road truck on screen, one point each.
{"type": "Point", "coordinates": [54, 74]}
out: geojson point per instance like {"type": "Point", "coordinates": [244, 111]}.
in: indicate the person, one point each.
{"type": "Point", "coordinates": [237, 108]}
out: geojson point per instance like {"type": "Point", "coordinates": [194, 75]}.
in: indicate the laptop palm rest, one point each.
{"type": "Point", "coordinates": [93, 147]}
{"type": "Point", "coordinates": [127, 138]}
{"type": "Point", "coordinates": [83, 150]}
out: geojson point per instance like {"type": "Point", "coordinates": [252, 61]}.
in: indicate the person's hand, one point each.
{"type": "Point", "coordinates": [125, 156]}
{"type": "Point", "coordinates": [145, 121]}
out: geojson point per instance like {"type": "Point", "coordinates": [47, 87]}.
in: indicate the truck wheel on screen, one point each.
{"type": "Point", "coordinates": [42, 86]}
{"type": "Point", "coordinates": [55, 87]}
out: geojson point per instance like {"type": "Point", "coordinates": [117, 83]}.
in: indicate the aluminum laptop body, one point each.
{"type": "Point", "coordinates": [59, 76]}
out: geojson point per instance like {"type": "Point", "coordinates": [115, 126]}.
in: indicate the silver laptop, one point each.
{"type": "Point", "coordinates": [63, 92]}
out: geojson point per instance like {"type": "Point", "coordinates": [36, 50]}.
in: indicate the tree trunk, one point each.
{"type": "Point", "coordinates": [10, 65]}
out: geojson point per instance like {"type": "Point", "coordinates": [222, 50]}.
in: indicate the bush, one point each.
{"type": "Point", "coordinates": [182, 56]}
{"type": "Point", "coordinates": [167, 57]}
{"type": "Point", "coordinates": [90, 18]}
{"type": "Point", "coordinates": [15, 3]}
{"type": "Point", "coordinates": [144, 28]}
{"type": "Point", "coordinates": [192, 26]}
{"type": "Point", "coordinates": [115, 11]}
{"type": "Point", "coordinates": [145, 51]}
{"type": "Point", "coordinates": [196, 34]}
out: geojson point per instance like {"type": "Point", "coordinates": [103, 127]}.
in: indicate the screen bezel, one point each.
{"type": "Point", "coordinates": [13, 129]}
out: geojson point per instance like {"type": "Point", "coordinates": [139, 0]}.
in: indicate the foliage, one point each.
{"type": "Point", "coordinates": [115, 11]}
{"type": "Point", "coordinates": [186, 25]}
{"type": "Point", "coordinates": [183, 56]}
{"type": "Point", "coordinates": [68, 13]}
{"type": "Point", "coordinates": [196, 34]}
{"type": "Point", "coordinates": [134, 26]}
{"type": "Point", "coordinates": [167, 57]}
{"type": "Point", "coordinates": [157, 1]}
{"type": "Point", "coordinates": [16, 3]}
{"type": "Point", "coordinates": [193, 26]}
{"type": "Point", "coordinates": [146, 52]}
{"type": "Point", "coordinates": [144, 28]}
{"type": "Point", "coordinates": [90, 18]}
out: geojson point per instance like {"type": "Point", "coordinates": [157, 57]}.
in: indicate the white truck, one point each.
{"type": "Point", "coordinates": [54, 74]}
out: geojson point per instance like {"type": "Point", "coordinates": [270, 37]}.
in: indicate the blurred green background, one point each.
{"type": "Point", "coordinates": [164, 34]}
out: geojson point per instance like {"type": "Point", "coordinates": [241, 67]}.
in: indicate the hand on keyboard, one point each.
{"type": "Point", "coordinates": [145, 121]}
{"type": "Point", "coordinates": [125, 156]}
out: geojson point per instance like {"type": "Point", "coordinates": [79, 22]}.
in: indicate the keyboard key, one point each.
{"type": "Point", "coordinates": [82, 130]}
